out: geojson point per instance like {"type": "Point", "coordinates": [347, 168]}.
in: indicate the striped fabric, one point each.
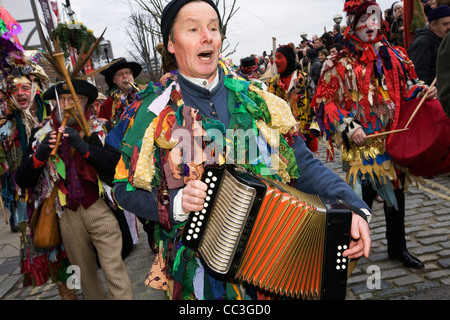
{"type": "Point", "coordinates": [81, 231]}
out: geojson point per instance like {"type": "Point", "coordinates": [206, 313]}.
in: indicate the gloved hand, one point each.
{"type": "Point", "coordinates": [43, 150]}
{"type": "Point", "coordinates": [76, 141]}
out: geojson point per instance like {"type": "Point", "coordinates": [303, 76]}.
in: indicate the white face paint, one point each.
{"type": "Point", "coordinates": [366, 28]}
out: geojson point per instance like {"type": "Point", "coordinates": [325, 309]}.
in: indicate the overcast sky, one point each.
{"type": "Point", "coordinates": [253, 27]}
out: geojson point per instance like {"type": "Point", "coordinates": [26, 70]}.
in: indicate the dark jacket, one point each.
{"type": "Point", "coordinates": [443, 74]}
{"type": "Point", "coordinates": [103, 159]}
{"type": "Point", "coordinates": [423, 53]}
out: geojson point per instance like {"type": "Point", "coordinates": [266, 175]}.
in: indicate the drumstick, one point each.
{"type": "Point", "coordinates": [386, 133]}
{"type": "Point", "coordinates": [421, 102]}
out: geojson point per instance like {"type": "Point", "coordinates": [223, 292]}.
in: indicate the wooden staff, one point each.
{"type": "Point", "coordinates": [69, 111]}
{"type": "Point", "coordinates": [59, 58]}
{"type": "Point", "coordinates": [274, 52]}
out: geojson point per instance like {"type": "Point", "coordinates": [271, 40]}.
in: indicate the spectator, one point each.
{"type": "Point", "coordinates": [327, 41]}
{"type": "Point", "coordinates": [316, 65]}
{"type": "Point", "coordinates": [337, 35]}
{"type": "Point", "coordinates": [396, 35]}
{"type": "Point", "coordinates": [424, 48]}
{"type": "Point", "coordinates": [323, 54]}
{"type": "Point", "coordinates": [318, 44]}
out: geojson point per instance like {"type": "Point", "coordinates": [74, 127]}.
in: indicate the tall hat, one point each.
{"type": "Point", "coordinates": [116, 65]}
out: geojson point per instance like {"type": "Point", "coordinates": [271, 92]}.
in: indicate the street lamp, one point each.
{"type": "Point", "coordinates": [104, 44]}
{"type": "Point", "coordinates": [337, 19]}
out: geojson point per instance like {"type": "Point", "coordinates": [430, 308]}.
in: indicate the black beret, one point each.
{"type": "Point", "coordinates": [81, 87]}
{"type": "Point", "coordinates": [170, 12]}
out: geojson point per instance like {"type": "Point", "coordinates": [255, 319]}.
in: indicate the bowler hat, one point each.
{"type": "Point", "coordinates": [120, 63]}
{"type": "Point", "coordinates": [81, 87]}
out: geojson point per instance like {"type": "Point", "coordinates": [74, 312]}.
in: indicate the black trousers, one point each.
{"type": "Point", "coordinates": [395, 219]}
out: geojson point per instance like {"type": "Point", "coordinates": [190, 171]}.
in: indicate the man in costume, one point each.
{"type": "Point", "coordinates": [205, 96]}
{"type": "Point", "coordinates": [38, 265]}
{"type": "Point", "coordinates": [295, 87]}
{"type": "Point", "coordinates": [423, 51]}
{"type": "Point", "coordinates": [88, 227]}
{"type": "Point", "coordinates": [122, 90]}
{"type": "Point", "coordinates": [360, 94]}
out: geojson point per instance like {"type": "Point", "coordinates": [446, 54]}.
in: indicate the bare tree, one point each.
{"type": "Point", "coordinates": [144, 42]}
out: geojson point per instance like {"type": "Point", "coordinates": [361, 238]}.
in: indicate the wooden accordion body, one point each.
{"type": "Point", "coordinates": [270, 235]}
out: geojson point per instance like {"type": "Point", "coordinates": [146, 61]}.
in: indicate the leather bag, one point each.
{"type": "Point", "coordinates": [46, 231]}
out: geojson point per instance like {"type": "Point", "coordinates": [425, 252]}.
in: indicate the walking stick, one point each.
{"type": "Point", "coordinates": [4, 211]}
{"type": "Point", "coordinates": [274, 52]}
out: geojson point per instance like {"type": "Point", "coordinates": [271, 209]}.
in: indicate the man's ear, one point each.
{"type": "Point", "coordinates": [170, 47]}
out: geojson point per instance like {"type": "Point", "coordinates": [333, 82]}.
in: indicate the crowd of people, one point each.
{"type": "Point", "coordinates": [124, 161]}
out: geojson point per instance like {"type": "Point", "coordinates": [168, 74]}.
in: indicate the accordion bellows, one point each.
{"type": "Point", "coordinates": [270, 235]}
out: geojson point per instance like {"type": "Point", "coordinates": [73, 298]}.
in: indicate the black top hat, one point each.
{"type": "Point", "coordinates": [120, 63]}
{"type": "Point", "coordinates": [81, 87]}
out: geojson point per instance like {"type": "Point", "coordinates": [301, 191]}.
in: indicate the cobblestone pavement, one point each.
{"type": "Point", "coordinates": [376, 278]}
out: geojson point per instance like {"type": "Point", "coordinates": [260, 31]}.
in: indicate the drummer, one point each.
{"type": "Point", "coordinates": [363, 104]}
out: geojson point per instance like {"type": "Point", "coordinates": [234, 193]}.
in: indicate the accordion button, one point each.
{"type": "Point", "coordinates": [212, 185]}
{"type": "Point", "coordinates": [207, 180]}
{"type": "Point", "coordinates": [205, 204]}
{"type": "Point", "coordinates": [208, 198]}
{"type": "Point", "coordinates": [195, 236]}
{"type": "Point", "coordinates": [204, 211]}
{"type": "Point", "coordinates": [339, 247]}
{"type": "Point", "coordinates": [338, 260]}
{"type": "Point", "coordinates": [345, 247]}
{"type": "Point", "coordinates": [337, 267]}
{"type": "Point", "coordinates": [190, 231]}
{"type": "Point", "coordinates": [214, 179]}
{"type": "Point", "coordinates": [188, 238]}
{"type": "Point", "coordinates": [343, 266]}
{"type": "Point", "coordinates": [210, 192]}
{"type": "Point", "coordinates": [210, 174]}
{"type": "Point", "coordinates": [202, 217]}
{"type": "Point", "coordinates": [192, 225]}
{"type": "Point", "coordinates": [194, 219]}
{"type": "Point", "coordinates": [197, 229]}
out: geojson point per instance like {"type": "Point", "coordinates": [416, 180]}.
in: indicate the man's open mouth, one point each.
{"type": "Point", "coordinates": [206, 55]}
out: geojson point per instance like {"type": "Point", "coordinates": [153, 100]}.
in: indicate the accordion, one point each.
{"type": "Point", "coordinates": [270, 235]}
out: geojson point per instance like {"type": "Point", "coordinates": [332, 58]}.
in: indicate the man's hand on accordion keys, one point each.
{"type": "Point", "coordinates": [194, 194]}
{"type": "Point", "coordinates": [360, 243]}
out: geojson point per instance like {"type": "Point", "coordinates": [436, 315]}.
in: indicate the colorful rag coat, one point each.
{"type": "Point", "coordinates": [365, 89]}
{"type": "Point", "coordinates": [298, 95]}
